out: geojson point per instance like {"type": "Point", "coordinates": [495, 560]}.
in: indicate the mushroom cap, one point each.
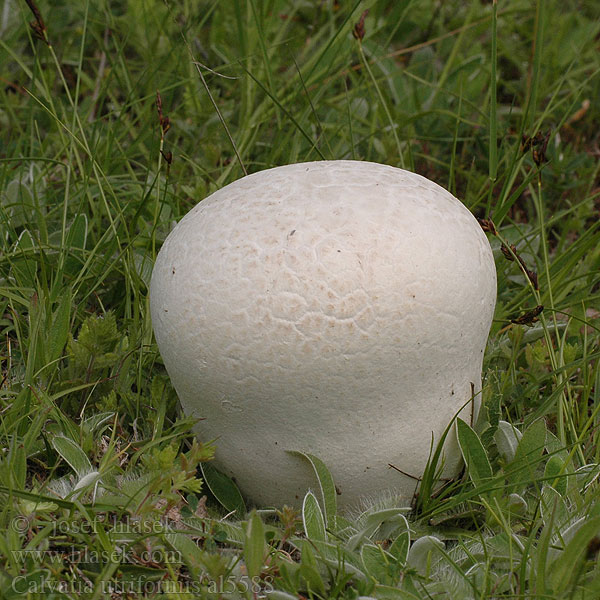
{"type": "Point", "coordinates": [338, 308]}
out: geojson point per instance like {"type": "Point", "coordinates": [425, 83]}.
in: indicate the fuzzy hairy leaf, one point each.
{"type": "Point", "coordinates": [478, 464]}
{"type": "Point", "coordinates": [565, 567]}
{"type": "Point", "coordinates": [528, 454]}
{"type": "Point", "coordinates": [553, 508]}
{"type": "Point", "coordinates": [377, 563]}
{"type": "Point", "coordinates": [72, 454]}
{"type": "Point", "coordinates": [254, 546]}
{"type": "Point", "coordinates": [423, 552]}
{"type": "Point", "coordinates": [326, 486]}
{"type": "Point", "coordinates": [507, 438]}
{"type": "Point", "coordinates": [555, 474]}
{"type": "Point", "coordinates": [401, 545]}
{"type": "Point", "coordinates": [312, 518]}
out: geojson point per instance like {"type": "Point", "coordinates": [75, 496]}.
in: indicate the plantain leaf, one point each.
{"type": "Point", "coordinates": [555, 474]}
{"type": "Point", "coordinates": [22, 585]}
{"type": "Point", "coordinates": [312, 518]}
{"type": "Point", "coordinates": [401, 545]}
{"type": "Point", "coordinates": [254, 546]}
{"type": "Point", "coordinates": [476, 459]}
{"type": "Point", "coordinates": [425, 550]}
{"type": "Point", "coordinates": [564, 568]}
{"type": "Point", "coordinates": [310, 574]}
{"type": "Point", "coordinates": [326, 486]}
{"type": "Point", "coordinates": [523, 467]}
{"type": "Point", "coordinates": [377, 563]}
{"type": "Point", "coordinates": [224, 490]}
{"type": "Point", "coordinates": [507, 438]}
{"type": "Point", "coordinates": [553, 508]}
{"type": "Point", "coordinates": [73, 455]}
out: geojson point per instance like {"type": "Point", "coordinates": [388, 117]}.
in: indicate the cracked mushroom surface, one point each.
{"type": "Point", "coordinates": [338, 308]}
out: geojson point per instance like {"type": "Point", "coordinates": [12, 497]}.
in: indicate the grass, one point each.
{"type": "Point", "coordinates": [103, 488]}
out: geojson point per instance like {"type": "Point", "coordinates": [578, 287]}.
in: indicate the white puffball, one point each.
{"type": "Point", "coordinates": [339, 308]}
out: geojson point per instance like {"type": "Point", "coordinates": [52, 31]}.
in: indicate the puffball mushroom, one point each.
{"type": "Point", "coordinates": [338, 308]}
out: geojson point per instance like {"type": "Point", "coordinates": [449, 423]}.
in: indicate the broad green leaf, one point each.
{"type": "Point", "coordinates": [309, 570]}
{"type": "Point", "coordinates": [517, 504]}
{"type": "Point", "coordinates": [22, 586]}
{"type": "Point", "coordinates": [423, 552]}
{"type": "Point", "coordinates": [254, 546]}
{"type": "Point", "coordinates": [555, 474]}
{"type": "Point", "coordinates": [333, 555]}
{"type": "Point", "coordinates": [224, 490]}
{"type": "Point", "coordinates": [478, 465]}
{"type": "Point", "coordinates": [376, 518]}
{"type": "Point", "coordinates": [553, 509]}
{"type": "Point", "coordinates": [507, 438]}
{"type": "Point", "coordinates": [190, 553]}
{"type": "Point", "coordinates": [29, 507]}
{"type": "Point", "coordinates": [554, 447]}
{"type": "Point", "coordinates": [528, 455]}
{"type": "Point", "coordinates": [93, 423]}
{"type": "Point", "coordinates": [558, 538]}
{"type": "Point", "coordinates": [326, 486]}
{"type": "Point", "coordinates": [565, 567]}
{"type": "Point", "coordinates": [592, 586]}
{"type": "Point", "coordinates": [392, 517]}
{"type": "Point", "coordinates": [312, 518]}
{"type": "Point", "coordinates": [72, 454]}
{"type": "Point", "coordinates": [377, 563]}
{"type": "Point", "coordinates": [87, 481]}
{"type": "Point", "coordinates": [387, 592]}
{"type": "Point", "coordinates": [401, 545]}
